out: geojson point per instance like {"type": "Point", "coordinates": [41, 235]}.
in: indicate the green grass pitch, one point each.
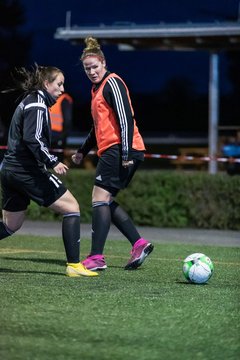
{"type": "Point", "coordinates": [147, 314]}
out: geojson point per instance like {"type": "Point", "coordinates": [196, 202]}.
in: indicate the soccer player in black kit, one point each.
{"type": "Point", "coordinates": [24, 173]}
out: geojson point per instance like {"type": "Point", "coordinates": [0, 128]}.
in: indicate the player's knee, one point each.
{"type": "Point", "coordinates": [75, 206]}
{"type": "Point", "coordinates": [70, 204]}
{"type": "Point", "coordinates": [13, 227]}
{"type": "Point", "coordinates": [13, 220]}
{"type": "Point", "coordinates": [71, 215]}
{"type": "Point", "coordinates": [101, 194]}
{"type": "Point", "coordinates": [5, 231]}
{"type": "Point", "coordinates": [102, 198]}
{"type": "Point", "coordinates": [99, 203]}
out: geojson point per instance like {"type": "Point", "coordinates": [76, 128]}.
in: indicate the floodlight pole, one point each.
{"type": "Point", "coordinates": [213, 112]}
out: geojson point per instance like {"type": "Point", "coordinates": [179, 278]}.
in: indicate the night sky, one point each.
{"type": "Point", "coordinates": [43, 19]}
{"type": "Point", "coordinates": [147, 73]}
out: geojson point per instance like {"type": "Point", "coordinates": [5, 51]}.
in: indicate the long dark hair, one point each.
{"type": "Point", "coordinates": [33, 79]}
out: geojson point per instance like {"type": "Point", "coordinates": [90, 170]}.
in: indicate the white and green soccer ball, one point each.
{"type": "Point", "coordinates": [197, 268]}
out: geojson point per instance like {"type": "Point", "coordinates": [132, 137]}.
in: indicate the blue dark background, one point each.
{"type": "Point", "coordinates": [145, 71]}
{"type": "Point", "coordinates": [159, 81]}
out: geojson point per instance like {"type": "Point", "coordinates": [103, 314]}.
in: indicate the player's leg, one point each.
{"type": "Point", "coordinates": [11, 222]}
{"type": "Point", "coordinates": [68, 206]}
{"type": "Point", "coordinates": [123, 222]}
{"type": "Point", "coordinates": [14, 204]}
{"type": "Point", "coordinates": [119, 216]}
{"type": "Point", "coordinates": [101, 221]}
{"type": "Point", "coordinates": [106, 173]}
{"type": "Point", "coordinates": [141, 247]}
{"type": "Point", "coordinates": [47, 190]}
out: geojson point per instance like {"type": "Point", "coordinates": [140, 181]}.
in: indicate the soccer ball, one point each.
{"type": "Point", "coordinates": [197, 268]}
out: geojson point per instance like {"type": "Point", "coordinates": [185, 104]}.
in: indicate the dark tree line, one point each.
{"type": "Point", "coordinates": [14, 51]}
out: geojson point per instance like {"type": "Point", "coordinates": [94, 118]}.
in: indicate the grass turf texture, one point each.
{"type": "Point", "coordinates": [151, 313]}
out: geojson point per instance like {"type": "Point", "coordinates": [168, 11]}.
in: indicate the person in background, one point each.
{"type": "Point", "coordinates": [120, 151]}
{"type": "Point", "coordinates": [61, 123]}
{"type": "Point", "coordinates": [24, 174]}
{"type": "Point", "coordinates": [231, 149]}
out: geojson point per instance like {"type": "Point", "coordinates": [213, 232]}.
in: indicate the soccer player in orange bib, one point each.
{"type": "Point", "coordinates": [120, 149]}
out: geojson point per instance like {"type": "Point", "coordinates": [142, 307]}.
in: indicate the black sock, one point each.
{"type": "Point", "coordinates": [71, 236]}
{"type": "Point", "coordinates": [101, 221]}
{"type": "Point", "coordinates": [123, 222]}
{"type": "Point", "coordinates": [4, 231]}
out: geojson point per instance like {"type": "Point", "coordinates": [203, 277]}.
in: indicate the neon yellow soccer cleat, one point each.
{"type": "Point", "coordinates": [78, 269]}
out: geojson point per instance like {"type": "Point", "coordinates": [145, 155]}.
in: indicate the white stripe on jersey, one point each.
{"type": "Point", "coordinates": [37, 104]}
{"type": "Point", "coordinates": [51, 178]}
{"type": "Point", "coordinates": [121, 111]}
{"type": "Point", "coordinates": [56, 178]}
{"type": "Point", "coordinates": [39, 129]}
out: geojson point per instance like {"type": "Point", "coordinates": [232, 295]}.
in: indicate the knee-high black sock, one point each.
{"type": "Point", "coordinates": [71, 236]}
{"type": "Point", "coordinates": [101, 221]}
{"type": "Point", "coordinates": [4, 231]}
{"type": "Point", "coordinates": [123, 222]}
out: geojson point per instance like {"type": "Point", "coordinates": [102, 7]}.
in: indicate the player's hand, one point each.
{"type": "Point", "coordinates": [127, 163]}
{"type": "Point", "coordinates": [77, 158]}
{"type": "Point", "coordinates": [60, 169]}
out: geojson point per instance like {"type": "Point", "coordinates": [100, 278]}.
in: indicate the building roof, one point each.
{"type": "Point", "coordinates": [217, 36]}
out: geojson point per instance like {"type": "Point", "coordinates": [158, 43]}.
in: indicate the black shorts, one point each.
{"type": "Point", "coordinates": [110, 174]}
{"type": "Point", "coordinates": [21, 186]}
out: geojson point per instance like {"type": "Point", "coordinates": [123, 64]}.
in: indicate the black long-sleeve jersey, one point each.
{"type": "Point", "coordinates": [29, 137]}
{"type": "Point", "coordinates": [117, 100]}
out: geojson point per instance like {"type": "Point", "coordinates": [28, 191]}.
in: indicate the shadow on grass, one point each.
{"type": "Point", "coordinates": [189, 283]}
{"type": "Point", "coordinates": [44, 261]}
{"type": "Point", "coordinates": [39, 260]}
{"type": "Point", "coordinates": [11, 271]}
{"type": "Point", "coordinates": [115, 267]}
